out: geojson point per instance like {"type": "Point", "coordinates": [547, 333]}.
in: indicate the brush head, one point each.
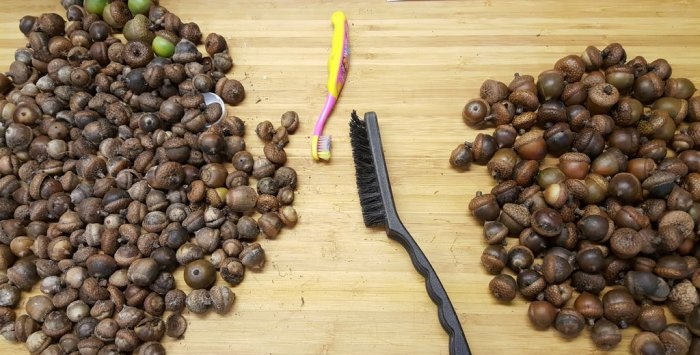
{"type": "Point", "coordinates": [323, 147]}
{"type": "Point", "coordinates": [373, 211]}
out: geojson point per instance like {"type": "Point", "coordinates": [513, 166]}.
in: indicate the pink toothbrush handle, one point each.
{"type": "Point", "coordinates": [327, 109]}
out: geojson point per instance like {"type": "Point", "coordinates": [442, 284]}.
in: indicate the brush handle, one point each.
{"type": "Point", "coordinates": [325, 113]}
{"type": "Point", "coordinates": [340, 52]}
{"type": "Point", "coordinates": [446, 313]}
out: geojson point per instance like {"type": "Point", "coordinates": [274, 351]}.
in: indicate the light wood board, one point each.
{"type": "Point", "coordinates": [331, 286]}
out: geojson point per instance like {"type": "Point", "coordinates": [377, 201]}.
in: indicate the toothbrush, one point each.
{"type": "Point", "coordinates": [337, 72]}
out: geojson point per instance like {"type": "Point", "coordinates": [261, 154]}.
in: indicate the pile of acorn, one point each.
{"type": "Point", "coordinates": [114, 172]}
{"type": "Point", "coordinates": [606, 237]}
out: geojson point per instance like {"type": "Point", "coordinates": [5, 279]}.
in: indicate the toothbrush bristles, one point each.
{"type": "Point", "coordinates": [324, 143]}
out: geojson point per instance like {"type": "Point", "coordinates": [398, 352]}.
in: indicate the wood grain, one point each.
{"type": "Point", "coordinates": [331, 286]}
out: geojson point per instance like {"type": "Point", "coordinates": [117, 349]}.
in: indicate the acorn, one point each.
{"type": "Point", "coordinates": [648, 87]}
{"type": "Point", "coordinates": [550, 85]}
{"type": "Point", "coordinates": [613, 54]}
{"type": "Point", "coordinates": [185, 52]}
{"type": "Point", "coordinates": [605, 334]}
{"type": "Point", "coordinates": [493, 91]}
{"type": "Point", "coordinates": [572, 66]}
{"type": "Point", "coordinates": [116, 14]}
{"type": "Point", "coordinates": [592, 58]}
{"type": "Point", "coordinates": [215, 43]}
{"type": "Point", "coordinates": [620, 307]}
{"type": "Point", "coordinates": [647, 343]}
{"type": "Point", "coordinates": [51, 23]}
{"type": "Point", "coordinates": [137, 54]}
{"type": "Point", "coordinates": [680, 88]}
{"type": "Point", "coordinates": [138, 29]}
{"type": "Point", "coordinates": [602, 97]}
{"type": "Point", "coordinates": [542, 314]}
{"type": "Point", "coordinates": [230, 90]}
{"type": "Point", "coordinates": [166, 176]}
{"type": "Point", "coordinates": [191, 32]}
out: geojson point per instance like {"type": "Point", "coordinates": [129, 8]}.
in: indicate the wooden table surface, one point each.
{"type": "Point", "coordinates": [331, 286]}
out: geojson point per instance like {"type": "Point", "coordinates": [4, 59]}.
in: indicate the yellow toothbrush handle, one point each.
{"type": "Point", "coordinates": [337, 62]}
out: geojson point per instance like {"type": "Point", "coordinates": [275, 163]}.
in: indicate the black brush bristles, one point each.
{"type": "Point", "coordinates": [373, 212]}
